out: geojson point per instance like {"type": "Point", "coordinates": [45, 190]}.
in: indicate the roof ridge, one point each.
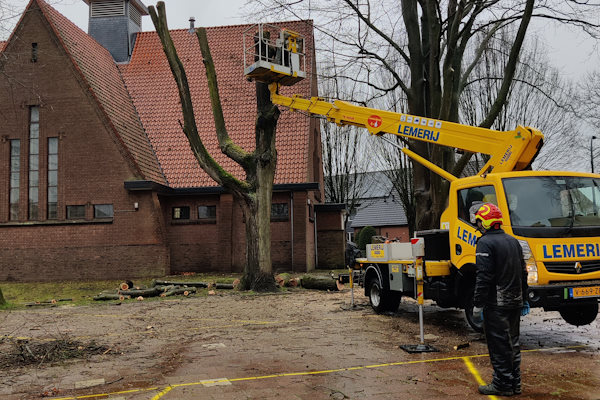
{"type": "Point", "coordinates": [310, 21]}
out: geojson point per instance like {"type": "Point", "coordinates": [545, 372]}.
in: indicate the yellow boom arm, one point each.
{"type": "Point", "coordinates": [508, 150]}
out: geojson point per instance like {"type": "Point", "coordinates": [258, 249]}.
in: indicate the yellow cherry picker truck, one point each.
{"type": "Point", "coordinates": [555, 215]}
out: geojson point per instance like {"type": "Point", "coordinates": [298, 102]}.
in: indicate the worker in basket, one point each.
{"type": "Point", "coordinates": [500, 288]}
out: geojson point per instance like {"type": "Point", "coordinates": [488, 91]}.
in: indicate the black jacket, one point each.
{"type": "Point", "coordinates": [501, 276]}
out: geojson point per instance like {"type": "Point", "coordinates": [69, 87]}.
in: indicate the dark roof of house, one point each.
{"type": "Point", "coordinates": [377, 185]}
{"type": "Point", "coordinates": [154, 92]}
{"type": "Point", "coordinates": [380, 212]}
{"type": "Point", "coordinates": [371, 185]}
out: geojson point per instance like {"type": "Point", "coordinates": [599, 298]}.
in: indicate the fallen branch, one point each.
{"type": "Point", "coordinates": [154, 291]}
{"type": "Point", "coordinates": [186, 291]}
{"type": "Point", "coordinates": [108, 296]}
{"type": "Point", "coordinates": [173, 283]}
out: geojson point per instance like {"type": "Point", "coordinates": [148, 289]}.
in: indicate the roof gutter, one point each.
{"type": "Point", "coordinates": [150, 186]}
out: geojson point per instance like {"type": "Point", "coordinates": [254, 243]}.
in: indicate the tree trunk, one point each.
{"type": "Point", "coordinates": [255, 278]}
{"type": "Point", "coordinates": [2, 300]}
{"type": "Point", "coordinates": [319, 283]}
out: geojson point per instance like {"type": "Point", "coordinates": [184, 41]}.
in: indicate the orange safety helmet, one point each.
{"type": "Point", "coordinates": [489, 215]}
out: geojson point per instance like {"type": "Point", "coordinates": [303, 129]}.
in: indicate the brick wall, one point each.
{"type": "Point", "coordinates": [331, 239]}
{"type": "Point", "coordinates": [220, 246]}
{"type": "Point", "coordinates": [391, 232]}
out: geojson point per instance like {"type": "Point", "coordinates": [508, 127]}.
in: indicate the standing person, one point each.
{"type": "Point", "coordinates": [500, 293]}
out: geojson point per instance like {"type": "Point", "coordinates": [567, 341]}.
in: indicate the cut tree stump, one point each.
{"type": "Point", "coordinates": [286, 280]}
{"type": "Point", "coordinates": [319, 283]}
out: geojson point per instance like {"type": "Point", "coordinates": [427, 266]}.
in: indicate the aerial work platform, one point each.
{"type": "Point", "coordinates": [274, 54]}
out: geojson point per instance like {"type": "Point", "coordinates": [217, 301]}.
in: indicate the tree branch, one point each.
{"type": "Point", "coordinates": [511, 67]}
{"type": "Point", "coordinates": [228, 147]}
{"type": "Point", "coordinates": [207, 163]}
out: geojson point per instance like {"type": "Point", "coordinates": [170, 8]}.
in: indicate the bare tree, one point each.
{"type": "Point", "coordinates": [345, 152]}
{"type": "Point", "coordinates": [254, 193]}
{"type": "Point", "coordinates": [588, 102]}
{"type": "Point", "coordinates": [538, 97]}
{"type": "Point", "coordinates": [428, 50]}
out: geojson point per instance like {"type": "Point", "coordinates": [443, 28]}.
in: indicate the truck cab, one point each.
{"type": "Point", "coordinates": [555, 217]}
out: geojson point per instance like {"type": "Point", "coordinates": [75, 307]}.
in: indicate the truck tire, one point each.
{"type": "Point", "coordinates": [382, 300]}
{"type": "Point", "coordinates": [477, 325]}
{"type": "Point", "coordinates": [579, 314]}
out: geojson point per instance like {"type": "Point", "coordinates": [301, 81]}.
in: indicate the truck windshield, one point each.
{"type": "Point", "coordinates": [553, 206]}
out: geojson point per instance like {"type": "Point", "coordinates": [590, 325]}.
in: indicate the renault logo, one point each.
{"type": "Point", "coordinates": [578, 267]}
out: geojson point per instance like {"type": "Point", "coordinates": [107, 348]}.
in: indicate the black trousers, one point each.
{"type": "Point", "coordinates": [502, 328]}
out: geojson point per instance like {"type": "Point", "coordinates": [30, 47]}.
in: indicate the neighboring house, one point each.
{"type": "Point", "coordinates": [386, 215]}
{"type": "Point", "coordinates": [378, 207]}
{"type": "Point", "coordinates": [98, 178]}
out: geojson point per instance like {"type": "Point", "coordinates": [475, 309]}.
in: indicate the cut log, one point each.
{"type": "Point", "coordinates": [283, 279]}
{"type": "Point", "coordinates": [174, 283]}
{"type": "Point", "coordinates": [180, 290]}
{"type": "Point", "coordinates": [461, 346]}
{"type": "Point", "coordinates": [154, 291]}
{"type": "Point", "coordinates": [109, 296]}
{"type": "Point", "coordinates": [166, 288]}
{"type": "Point", "coordinates": [223, 286]}
{"type": "Point", "coordinates": [318, 282]}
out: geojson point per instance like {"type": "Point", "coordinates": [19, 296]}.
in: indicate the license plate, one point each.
{"type": "Point", "coordinates": [592, 291]}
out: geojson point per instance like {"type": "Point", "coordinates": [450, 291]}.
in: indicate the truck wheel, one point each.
{"type": "Point", "coordinates": [476, 324]}
{"type": "Point", "coordinates": [579, 314]}
{"type": "Point", "coordinates": [382, 300]}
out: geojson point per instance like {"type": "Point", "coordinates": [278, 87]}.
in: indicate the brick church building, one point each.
{"type": "Point", "coordinates": [98, 180]}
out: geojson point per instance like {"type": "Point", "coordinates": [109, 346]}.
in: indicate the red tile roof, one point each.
{"type": "Point", "coordinates": [157, 146]}
{"type": "Point", "coordinates": [98, 69]}
{"type": "Point", "coordinates": [154, 93]}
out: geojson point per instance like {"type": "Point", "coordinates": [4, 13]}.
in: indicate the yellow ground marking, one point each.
{"type": "Point", "coordinates": [169, 388]}
{"type": "Point", "coordinates": [475, 373]}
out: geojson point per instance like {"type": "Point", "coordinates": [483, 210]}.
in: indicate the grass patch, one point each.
{"type": "Point", "coordinates": [19, 294]}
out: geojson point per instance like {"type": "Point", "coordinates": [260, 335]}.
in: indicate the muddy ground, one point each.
{"type": "Point", "coordinates": [298, 345]}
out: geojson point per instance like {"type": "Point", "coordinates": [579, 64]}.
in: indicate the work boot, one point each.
{"type": "Point", "coordinates": [491, 390]}
{"type": "Point", "coordinates": [517, 388]}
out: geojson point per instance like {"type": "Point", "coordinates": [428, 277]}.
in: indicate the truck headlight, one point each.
{"type": "Point", "coordinates": [532, 274]}
{"type": "Point", "coordinates": [530, 265]}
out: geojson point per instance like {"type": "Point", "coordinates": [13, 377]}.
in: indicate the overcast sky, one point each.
{"type": "Point", "coordinates": [572, 53]}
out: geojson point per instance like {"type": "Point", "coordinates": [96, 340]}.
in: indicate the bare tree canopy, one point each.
{"type": "Point", "coordinates": [425, 52]}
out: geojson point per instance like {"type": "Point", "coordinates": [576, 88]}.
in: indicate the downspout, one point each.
{"type": "Point", "coordinates": [292, 226]}
{"type": "Point", "coordinates": [315, 227]}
